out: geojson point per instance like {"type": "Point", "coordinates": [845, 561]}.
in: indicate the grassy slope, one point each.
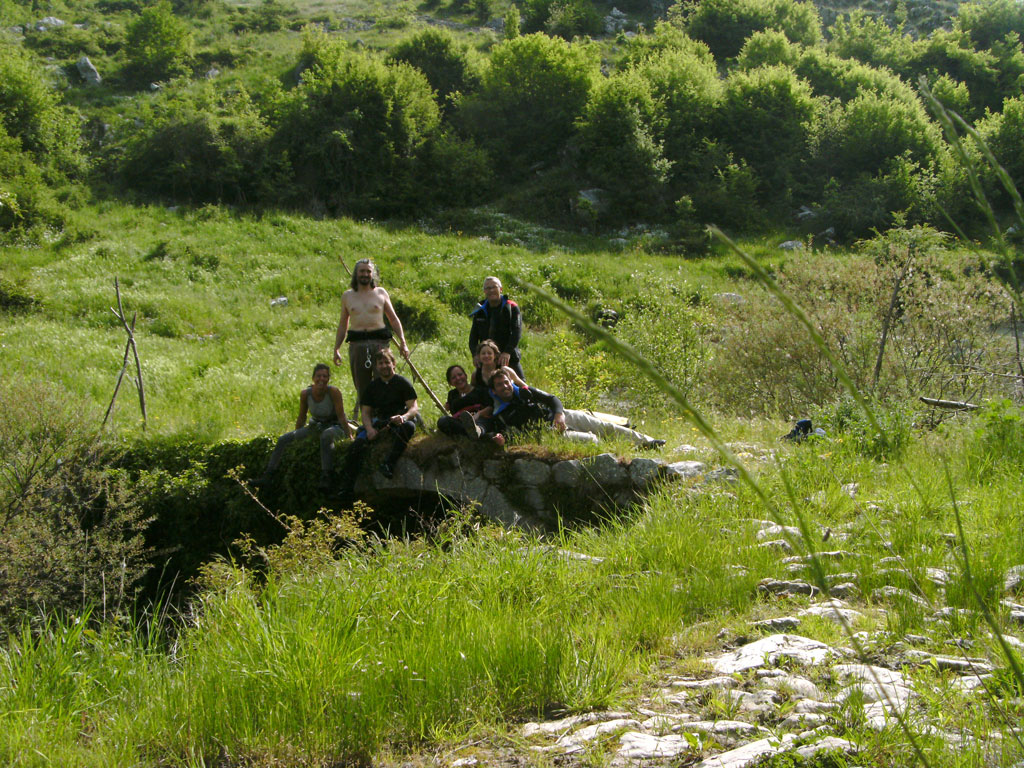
{"type": "Point", "coordinates": [219, 361]}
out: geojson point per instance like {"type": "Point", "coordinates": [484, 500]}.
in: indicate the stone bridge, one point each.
{"type": "Point", "coordinates": [526, 486]}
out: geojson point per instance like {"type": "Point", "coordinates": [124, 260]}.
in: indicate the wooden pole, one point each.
{"type": "Point", "coordinates": [130, 330]}
{"type": "Point", "coordinates": [421, 380]}
{"type": "Point", "coordinates": [950, 405]}
{"type": "Point", "coordinates": [120, 376]}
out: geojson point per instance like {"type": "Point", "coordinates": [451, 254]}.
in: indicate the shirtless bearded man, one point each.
{"type": "Point", "coordinates": [363, 309]}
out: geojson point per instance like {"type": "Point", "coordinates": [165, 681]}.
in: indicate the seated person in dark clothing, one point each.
{"type": "Point", "coordinates": [523, 408]}
{"type": "Point", "coordinates": [387, 404]}
{"type": "Point", "coordinates": [463, 397]}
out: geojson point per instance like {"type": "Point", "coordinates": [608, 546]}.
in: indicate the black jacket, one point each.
{"type": "Point", "coordinates": [530, 407]}
{"type": "Point", "coordinates": [502, 324]}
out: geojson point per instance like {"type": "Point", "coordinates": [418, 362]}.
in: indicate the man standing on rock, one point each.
{"type": "Point", "coordinates": [363, 309]}
{"type": "Point", "coordinates": [497, 318]}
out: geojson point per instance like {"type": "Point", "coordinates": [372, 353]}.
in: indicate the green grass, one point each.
{"type": "Point", "coordinates": [404, 646]}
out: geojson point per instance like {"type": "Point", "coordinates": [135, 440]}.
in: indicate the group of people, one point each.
{"type": "Point", "coordinates": [487, 405]}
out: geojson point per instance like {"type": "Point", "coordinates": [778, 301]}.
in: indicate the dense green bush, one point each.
{"type": "Point", "coordinates": [766, 118]}
{"type": "Point", "coordinates": [26, 200]}
{"type": "Point", "coordinates": [869, 131]}
{"type": "Point", "coordinates": [618, 148]}
{"type": "Point", "coordinates": [1002, 132]}
{"type": "Point", "coordinates": [158, 44]}
{"type": "Point", "coordinates": [71, 532]}
{"type": "Point", "coordinates": [768, 48]}
{"type": "Point", "coordinates": [532, 92]}
{"type": "Point", "coordinates": [988, 22]}
{"type": "Point", "coordinates": [354, 130]}
{"type": "Point", "coordinates": [32, 113]}
{"type": "Point", "coordinates": [869, 39]}
{"type": "Point", "coordinates": [665, 37]}
{"type": "Point", "coordinates": [685, 86]}
{"type": "Point", "coordinates": [569, 18]}
{"type": "Point", "coordinates": [726, 24]}
{"type": "Point", "coordinates": [446, 63]}
{"type": "Point", "coordinates": [201, 146]}
{"type": "Point", "coordinates": [453, 172]}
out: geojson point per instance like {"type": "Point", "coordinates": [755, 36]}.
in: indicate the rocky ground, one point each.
{"type": "Point", "coordinates": [770, 695]}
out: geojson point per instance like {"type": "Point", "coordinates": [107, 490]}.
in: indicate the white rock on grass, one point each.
{"type": "Point", "coordinates": [771, 650]}
{"type": "Point", "coordinates": [643, 746]}
{"type": "Point", "coordinates": [574, 742]}
{"type": "Point", "coordinates": [834, 610]}
{"type": "Point", "coordinates": [559, 727]}
{"type": "Point", "coordinates": [748, 753]}
{"type": "Point", "coordinates": [722, 681]}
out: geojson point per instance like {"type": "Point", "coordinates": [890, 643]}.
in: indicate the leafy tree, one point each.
{"type": "Point", "coordinates": [203, 147]}
{"type": "Point", "coordinates": [568, 18]}
{"type": "Point", "coordinates": [870, 40]}
{"type": "Point", "coordinates": [446, 64]}
{"type": "Point", "coordinates": [844, 79]}
{"type": "Point", "coordinates": [532, 92]}
{"type": "Point", "coordinates": [726, 24]}
{"type": "Point", "coordinates": [666, 36]}
{"type": "Point", "coordinates": [686, 87]}
{"type": "Point", "coordinates": [354, 130]}
{"type": "Point", "coordinates": [768, 48]}
{"type": "Point", "coordinates": [1002, 132]}
{"type": "Point", "coordinates": [766, 118]}
{"type": "Point", "coordinates": [618, 146]}
{"type": "Point", "coordinates": [159, 44]}
{"type": "Point", "coordinates": [868, 132]}
{"type": "Point", "coordinates": [31, 112]}
{"type": "Point", "coordinates": [988, 22]}
{"type": "Point", "coordinates": [949, 53]}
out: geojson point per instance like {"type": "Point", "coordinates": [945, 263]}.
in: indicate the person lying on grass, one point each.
{"type": "Point", "coordinates": [326, 410]}
{"type": "Point", "coordinates": [462, 397]}
{"type": "Point", "coordinates": [524, 408]}
{"type": "Point", "coordinates": [388, 405]}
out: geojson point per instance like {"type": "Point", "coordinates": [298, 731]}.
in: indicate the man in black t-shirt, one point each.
{"type": "Point", "coordinates": [387, 404]}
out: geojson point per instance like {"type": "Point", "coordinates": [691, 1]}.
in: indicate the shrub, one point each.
{"type": "Point", "coordinates": [866, 133]}
{"type": "Point", "coordinates": [445, 63]}
{"type": "Point", "coordinates": [203, 147]}
{"type": "Point", "coordinates": [532, 92]}
{"type": "Point", "coordinates": [669, 332]}
{"type": "Point", "coordinates": [987, 22]}
{"type": "Point", "coordinates": [30, 111]}
{"type": "Point", "coordinates": [766, 119]}
{"type": "Point", "coordinates": [453, 172]}
{"type": "Point", "coordinates": [1002, 132]}
{"type": "Point", "coordinates": [768, 48]}
{"type": "Point", "coordinates": [354, 131]}
{"type": "Point", "coordinates": [71, 533]}
{"type": "Point", "coordinates": [569, 18]}
{"type": "Point", "coordinates": [685, 85]}
{"type": "Point", "coordinates": [869, 39]}
{"type": "Point", "coordinates": [666, 37]}
{"type": "Point", "coordinates": [619, 151]}
{"type": "Point", "coordinates": [159, 44]}
{"type": "Point", "coordinates": [578, 374]}
{"type": "Point", "coordinates": [950, 54]}
{"type": "Point", "coordinates": [726, 24]}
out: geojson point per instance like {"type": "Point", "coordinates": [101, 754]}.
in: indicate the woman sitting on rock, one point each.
{"type": "Point", "coordinates": [326, 411]}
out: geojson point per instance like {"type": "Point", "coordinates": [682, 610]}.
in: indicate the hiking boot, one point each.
{"type": "Point", "coordinates": [473, 430]}
{"type": "Point", "coordinates": [387, 470]}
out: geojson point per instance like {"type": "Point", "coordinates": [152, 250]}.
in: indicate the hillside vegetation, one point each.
{"type": "Point", "coordinates": [231, 167]}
